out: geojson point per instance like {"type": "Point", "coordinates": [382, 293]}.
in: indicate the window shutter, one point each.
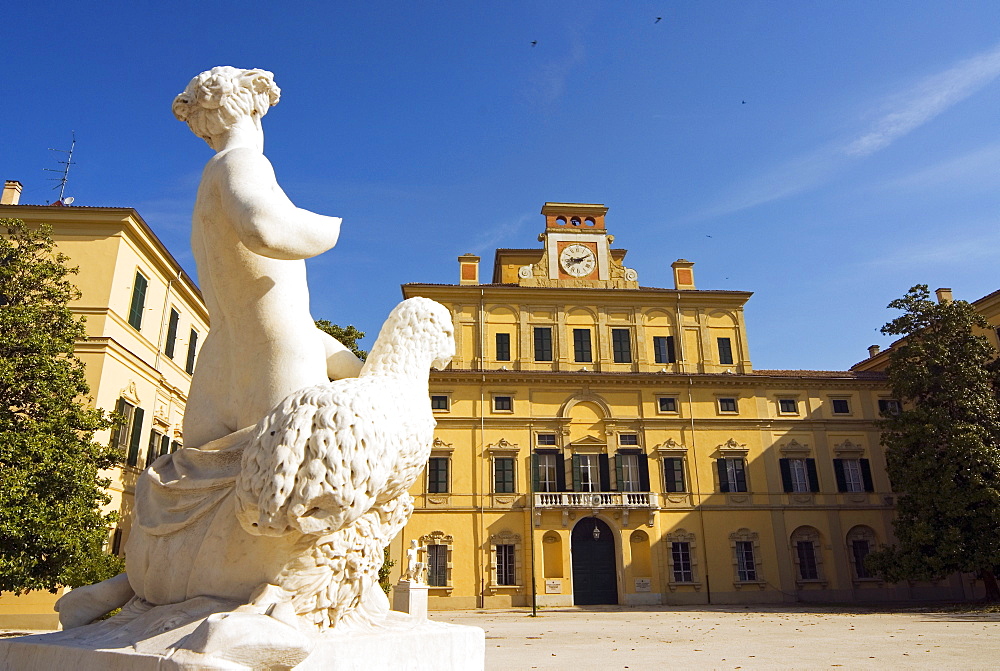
{"type": "Point", "coordinates": [560, 473]}
{"type": "Point", "coordinates": [192, 343]}
{"type": "Point", "coordinates": [534, 472]}
{"type": "Point", "coordinates": [786, 474]}
{"type": "Point", "coordinates": [175, 318]}
{"type": "Point", "coordinates": [138, 301]}
{"type": "Point", "coordinates": [576, 472]}
{"type": "Point", "coordinates": [154, 444]}
{"type": "Point", "coordinates": [133, 445]}
{"type": "Point", "coordinates": [164, 445]}
{"type": "Point", "coordinates": [741, 475]}
{"type": "Point", "coordinates": [603, 466]}
{"type": "Point", "coordinates": [619, 474]}
{"type": "Point", "coordinates": [838, 470]}
{"type": "Point", "coordinates": [723, 475]}
{"type": "Point", "coordinates": [866, 475]}
{"type": "Point", "coordinates": [813, 475]}
{"type": "Point", "coordinates": [671, 350]}
{"type": "Point", "coordinates": [643, 473]}
{"type": "Point", "coordinates": [118, 436]}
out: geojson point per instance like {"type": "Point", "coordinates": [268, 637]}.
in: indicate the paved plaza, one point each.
{"type": "Point", "coordinates": [734, 637]}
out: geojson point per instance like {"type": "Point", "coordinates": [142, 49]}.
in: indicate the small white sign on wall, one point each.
{"type": "Point", "coordinates": [553, 586]}
{"type": "Point", "coordinates": [642, 584]}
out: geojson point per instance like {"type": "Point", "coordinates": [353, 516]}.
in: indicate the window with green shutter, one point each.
{"type": "Point", "coordinates": [725, 350]}
{"type": "Point", "coordinates": [503, 475]}
{"type": "Point", "coordinates": [621, 345]}
{"type": "Point", "coordinates": [673, 475]}
{"type": "Point", "coordinates": [543, 343]}
{"type": "Point", "coordinates": [138, 301]}
{"type": "Point", "coordinates": [175, 318]}
{"type": "Point", "coordinates": [192, 344]}
{"type": "Point", "coordinates": [135, 437]}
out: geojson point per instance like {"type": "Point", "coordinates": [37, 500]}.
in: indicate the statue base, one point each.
{"type": "Point", "coordinates": [409, 596]}
{"type": "Point", "coordinates": [181, 637]}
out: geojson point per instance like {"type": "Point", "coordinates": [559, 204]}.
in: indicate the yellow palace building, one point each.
{"type": "Point", "coordinates": [603, 442]}
{"type": "Point", "coordinates": [145, 321]}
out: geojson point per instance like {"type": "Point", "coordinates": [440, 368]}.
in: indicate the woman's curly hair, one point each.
{"type": "Point", "coordinates": [215, 99]}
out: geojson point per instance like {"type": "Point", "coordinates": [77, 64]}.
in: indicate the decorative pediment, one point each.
{"type": "Point", "coordinates": [732, 448]}
{"type": "Point", "coordinates": [502, 445]}
{"type": "Point", "coordinates": [436, 538]}
{"type": "Point", "coordinates": [441, 448]}
{"type": "Point", "coordinates": [588, 443]}
{"type": "Point", "coordinates": [848, 448]}
{"type": "Point", "coordinates": [793, 447]}
{"type": "Point", "coordinates": [130, 394]}
{"type": "Point", "coordinates": [505, 537]}
{"type": "Point", "coordinates": [670, 448]}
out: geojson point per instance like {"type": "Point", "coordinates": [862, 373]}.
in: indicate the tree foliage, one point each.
{"type": "Point", "coordinates": [943, 448]}
{"type": "Point", "coordinates": [52, 531]}
{"type": "Point", "coordinates": [349, 336]}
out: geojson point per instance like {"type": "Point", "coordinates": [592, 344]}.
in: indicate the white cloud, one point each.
{"type": "Point", "coordinates": [505, 230]}
{"type": "Point", "coordinates": [978, 170]}
{"type": "Point", "coordinates": [929, 98]}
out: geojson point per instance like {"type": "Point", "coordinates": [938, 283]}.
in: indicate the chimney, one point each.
{"type": "Point", "coordinates": [468, 269]}
{"type": "Point", "coordinates": [11, 192]}
{"type": "Point", "coordinates": [683, 274]}
{"type": "Point", "coordinates": [943, 295]}
{"type": "Point", "coordinates": [873, 350]}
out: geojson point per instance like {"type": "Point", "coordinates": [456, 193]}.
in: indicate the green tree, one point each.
{"type": "Point", "coordinates": [943, 448]}
{"type": "Point", "coordinates": [349, 336]}
{"type": "Point", "coordinates": [52, 531]}
{"type": "Point", "coordinates": [383, 572]}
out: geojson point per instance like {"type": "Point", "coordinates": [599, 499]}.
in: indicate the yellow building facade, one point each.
{"type": "Point", "coordinates": [145, 320]}
{"type": "Point", "coordinates": [599, 441]}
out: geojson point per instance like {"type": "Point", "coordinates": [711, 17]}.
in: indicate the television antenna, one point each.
{"type": "Point", "coordinates": [65, 170]}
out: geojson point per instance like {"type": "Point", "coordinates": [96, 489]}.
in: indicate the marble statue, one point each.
{"type": "Point", "coordinates": [414, 567]}
{"type": "Point", "coordinates": [259, 545]}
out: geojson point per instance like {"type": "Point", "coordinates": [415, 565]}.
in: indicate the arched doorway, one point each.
{"type": "Point", "coordinates": [595, 574]}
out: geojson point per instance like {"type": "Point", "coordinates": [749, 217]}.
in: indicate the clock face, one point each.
{"type": "Point", "coordinates": [577, 260]}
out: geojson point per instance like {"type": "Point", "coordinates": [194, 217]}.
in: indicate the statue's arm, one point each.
{"type": "Point", "coordinates": [266, 221]}
{"type": "Point", "coordinates": [340, 361]}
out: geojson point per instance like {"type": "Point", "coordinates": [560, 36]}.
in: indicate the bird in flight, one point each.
{"type": "Point", "coordinates": [658, 19]}
{"type": "Point", "coordinates": [534, 42]}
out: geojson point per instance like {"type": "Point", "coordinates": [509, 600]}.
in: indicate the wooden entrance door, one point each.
{"type": "Point", "coordinates": [595, 575]}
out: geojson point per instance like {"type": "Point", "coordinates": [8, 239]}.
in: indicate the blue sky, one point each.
{"type": "Point", "coordinates": [826, 156]}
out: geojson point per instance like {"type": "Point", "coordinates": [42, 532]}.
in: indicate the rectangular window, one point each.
{"type": "Point", "coordinates": [628, 439]}
{"type": "Point", "coordinates": [503, 347]}
{"type": "Point", "coordinates": [673, 474]}
{"type": "Point", "coordinates": [621, 345]}
{"type": "Point", "coordinates": [859, 550]}
{"type": "Point", "coordinates": [627, 472]}
{"type": "Point", "coordinates": [727, 405]}
{"type": "Point", "coordinates": [547, 472]}
{"type": "Point", "coordinates": [127, 434]}
{"type": "Point", "coordinates": [503, 404]}
{"type": "Point", "coordinates": [543, 343]}
{"type": "Point", "coordinates": [799, 475]}
{"type": "Point", "coordinates": [746, 568]}
{"type": "Point", "coordinates": [664, 350]}
{"type": "Point", "coordinates": [667, 404]}
{"type": "Point", "coordinates": [888, 407]}
{"type": "Point", "coordinates": [841, 406]}
{"type": "Point", "coordinates": [437, 565]}
{"type": "Point", "coordinates": [732, 474]}
{"type": "Point", "coordinates": [503, 475]}
{"type": "Point", "coordinates": [587, 474]}
{"type": "Point", "coordinates": [439, 402]}
{"type": "Point", "coordinates": [581, 346]}
{"type": "Point", "coordinates": [807, 560]}
{"type": "Point", "coordinates": [135, 437]}
{"type": "Point", "coordinates": [788, 406]}
{"type": "Point", "coordinates": [155, 444]}
{"type": "Point", "coordinates": [505, 565]}
{"type": "Point", "coordinates": [853, 475]}
{"type": "Point", "coordinates": [192, 343]}
{"type": "Point", "coordinates": [437, 475]}
{"type": "Point", "coordinates": [175, 318]}
{"type": "Point", "coordinates": [138, 301]}
{"type": "Point", "coordinates": [725, 350]}
{"type": "Point", "coordinates": [164, 446]}
{"type": "Point", "coordinates": [546, 439]}
{"type": "Point", "coordinates": [680, 552]}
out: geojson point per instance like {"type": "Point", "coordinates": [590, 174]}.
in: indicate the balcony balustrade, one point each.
{"type": "Point", "coordinates": [596, 500]}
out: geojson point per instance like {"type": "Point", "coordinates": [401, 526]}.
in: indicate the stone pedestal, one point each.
{"type": "Point", "coordinates": [409, 596]}
{"type": "Point", "coordinates": [400, 642]}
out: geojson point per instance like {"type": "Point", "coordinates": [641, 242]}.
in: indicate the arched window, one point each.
{"type": "Point", "coordinates": [807, 554]}
{"type": "Point", "coordinates": [861, 541]}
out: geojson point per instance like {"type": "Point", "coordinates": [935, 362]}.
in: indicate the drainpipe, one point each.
{"type": "Point", "coordinates": [163, 321]}
{"type": "Point", "coordinates": [482, 448]}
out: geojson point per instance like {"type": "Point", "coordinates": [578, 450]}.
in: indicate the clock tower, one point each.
{"type": "Point", "coordinates": [577, 252]}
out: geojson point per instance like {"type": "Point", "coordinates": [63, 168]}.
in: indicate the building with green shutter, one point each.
{"type": "Point", "coordinates": [604, 442]}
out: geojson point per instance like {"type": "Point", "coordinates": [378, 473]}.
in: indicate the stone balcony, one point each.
{"type": "Point", "coordinates": [594, 501]}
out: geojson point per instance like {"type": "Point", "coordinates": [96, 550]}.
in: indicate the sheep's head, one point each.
{"type": "Point", "coordinates": [419, 330]}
